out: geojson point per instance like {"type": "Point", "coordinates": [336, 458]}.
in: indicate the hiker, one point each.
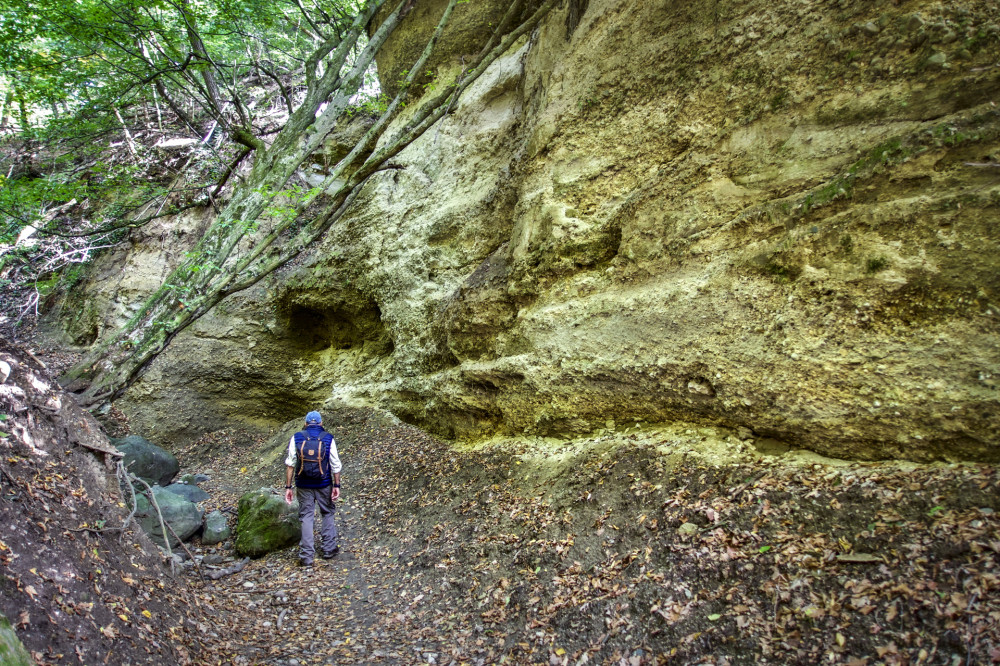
{"type": "Point", "coordinates": [313, 460]}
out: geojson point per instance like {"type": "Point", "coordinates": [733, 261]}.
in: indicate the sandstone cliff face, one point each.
{"type": "Point", "coordinates": [780, 216]}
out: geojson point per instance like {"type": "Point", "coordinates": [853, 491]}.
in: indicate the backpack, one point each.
{"type": "Point", "coordinates": [311, 458]}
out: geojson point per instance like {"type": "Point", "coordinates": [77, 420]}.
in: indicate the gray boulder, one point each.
{"type": "Point", "coordinates": [12, 652]}
{"type": "Point", "coordinates": [216, 529]}
{"type": "Point", "coordinates": [146, 460]}
{"type": "Point", "coordinates": [182, 516]}
{"type": "Point", "coordinates": [190, 493]}
{"type": "Point", "coordinates": [266, 523]}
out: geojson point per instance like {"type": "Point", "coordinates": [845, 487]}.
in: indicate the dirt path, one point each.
{"type": "Point", "coordinates": [617, 555]}
{"type": "Point", "coordinates": [281, 612]}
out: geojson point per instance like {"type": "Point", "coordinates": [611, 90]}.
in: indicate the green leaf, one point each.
{"type": "Point", "coordinates": [763, 549]}
{"type": "Point", "coordinates": [714, 616]}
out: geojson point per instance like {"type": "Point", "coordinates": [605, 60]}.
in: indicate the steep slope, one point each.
{"type": "Point", "coordinates": [770, 216]}
{"type": "Point", "coordinates": [74, 586]}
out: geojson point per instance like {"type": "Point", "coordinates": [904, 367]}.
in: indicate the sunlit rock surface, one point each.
{"type": "Point", "coordinates": [779, 217]}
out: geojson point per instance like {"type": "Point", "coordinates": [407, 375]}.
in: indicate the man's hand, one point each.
{"type": "Point", "coordinates": [335, 494]}
{"type": "Point", "coordinates": [288, 496]}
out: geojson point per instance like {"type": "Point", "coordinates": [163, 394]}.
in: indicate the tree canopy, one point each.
{"type": "Point", "coordinates": [90, 89]}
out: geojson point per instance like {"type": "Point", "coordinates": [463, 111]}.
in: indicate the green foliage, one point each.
{"type": "Point", "coordinates": [90, 86]}
{"type": "Point", "coordinates": [876, 264]}
{"type": "Point", "coordinates": [886, 152]}
{"type": "Point", "coordinates": [286, 205]}
{"type": "Point", "coordinates": [32, 199]}
{"type": "Point", "coordinates": [949, 135]}
{"type": "Point", "coordinates": [782, 272]}
{"type": "Point", "coordinates": [847, 243]}
{"type": "Point", "coordinates": [78, 60]}
{"type": "Point", "coordinates": [371, 105]}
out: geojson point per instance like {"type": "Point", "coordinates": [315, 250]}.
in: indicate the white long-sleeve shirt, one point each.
{"type": "Point", "coordinates": [334, 456]}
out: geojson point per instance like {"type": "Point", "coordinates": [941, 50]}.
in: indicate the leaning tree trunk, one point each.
{"type": "Point", "coordinates": [114, 364]}
{"type": "Point", "coordinates": [212, 271]}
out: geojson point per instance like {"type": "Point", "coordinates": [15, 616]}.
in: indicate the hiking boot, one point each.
{"type": "Point", "coordinates": [331, 553]}
{"type": "Point", "coordinates": [305, 563]}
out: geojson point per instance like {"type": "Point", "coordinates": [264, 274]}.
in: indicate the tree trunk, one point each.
{"type": "Point", "coordinates": [198, 48]}
{"type": "Point", "coordinates": [22, 108]}
{"type": "Point", "coordinates": [5, 109]}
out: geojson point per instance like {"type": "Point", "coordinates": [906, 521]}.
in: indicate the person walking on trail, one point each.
{"type": "Point", "coordinates": [313, 462]}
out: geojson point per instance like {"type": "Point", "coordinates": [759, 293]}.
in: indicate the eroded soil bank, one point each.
{"type": "Point", "coordinates": [624, 551]}
{"type": "Point", "coordinates": [80, 583]}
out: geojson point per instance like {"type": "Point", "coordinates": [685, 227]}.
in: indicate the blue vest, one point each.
{"type": "Point", "coordinates": [326, 439]}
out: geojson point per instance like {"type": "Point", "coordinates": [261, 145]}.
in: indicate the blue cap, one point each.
{"type": "Point", "coordinates": [314, 417]}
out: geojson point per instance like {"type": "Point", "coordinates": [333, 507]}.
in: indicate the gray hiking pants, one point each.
{"type": "Point", "coordinates": [309, 498]}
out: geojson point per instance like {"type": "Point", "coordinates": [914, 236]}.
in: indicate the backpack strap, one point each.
{"type": "Point", "coordinates": [320, 451]}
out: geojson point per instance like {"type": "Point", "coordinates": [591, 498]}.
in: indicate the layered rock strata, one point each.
{"type": "Point", "coordinates": [775, 216]}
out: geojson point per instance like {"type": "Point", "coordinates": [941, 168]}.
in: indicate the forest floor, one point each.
{"type": "Point", "coordinates": [611, 552]}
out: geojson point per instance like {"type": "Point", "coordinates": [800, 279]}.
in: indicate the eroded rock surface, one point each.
{"type": "Point", "coordinates": [773, 216]}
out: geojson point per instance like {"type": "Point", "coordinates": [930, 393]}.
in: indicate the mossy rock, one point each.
{"type": "Point", "coordinates": [266, 523]}
{"type": "Point", "coordinates": [181, 515]}
{"type": "Point", "coordinates": [12, 652]}
{"type": "Point", "coordinates": [468, 30]}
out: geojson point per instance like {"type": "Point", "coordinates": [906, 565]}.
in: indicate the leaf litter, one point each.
{"type": "Point", "coordinates": [621, 556]}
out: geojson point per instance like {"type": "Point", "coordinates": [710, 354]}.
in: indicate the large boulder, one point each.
{"type": "Point", "coordinates": [146, 460]}
{"type": "Point", "coordinates": [266, 523]}
{"type": "Point", "coordinates": [191, 493]}
{"type": "Point", "coordinates": [216, 529]}
{"type": "Point", "coordinates": [12, 652]}
{"type": "Point", "coordinates": [182, 516]}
